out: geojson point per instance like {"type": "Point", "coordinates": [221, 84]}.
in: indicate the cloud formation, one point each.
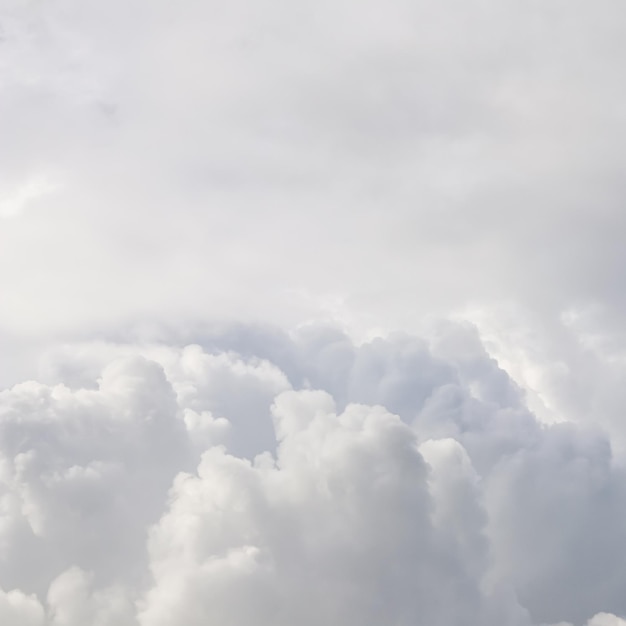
{"type": "Point", "coordinates": [312, 313]}
{"type": "Point", "coordinates": [136, 498]}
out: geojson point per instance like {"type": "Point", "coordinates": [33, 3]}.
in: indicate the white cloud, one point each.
{"type": "Point", "coordinates": [339, 531]}
{"type": "Point", "coordinates": [19, 609]}
{"type": "Point", "coordinates": [73, 602]}
{"type": "Point", "coordinates": [174, 178]}
{"type": "Point", "coordinates": [461, 508]}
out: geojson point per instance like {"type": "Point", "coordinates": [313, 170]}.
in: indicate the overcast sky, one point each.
{"type": "Point", "coordinates": [312, 313]}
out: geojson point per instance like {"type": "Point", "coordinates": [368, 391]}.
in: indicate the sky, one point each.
{"type": "Point", "coordinates": [312, 312]}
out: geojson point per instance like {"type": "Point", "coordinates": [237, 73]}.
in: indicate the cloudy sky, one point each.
{"type": "Point", "coordinates": [312, 313]}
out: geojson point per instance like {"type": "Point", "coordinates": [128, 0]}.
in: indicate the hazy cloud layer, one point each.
{"type": "Point", "coordinates": [372, 161]}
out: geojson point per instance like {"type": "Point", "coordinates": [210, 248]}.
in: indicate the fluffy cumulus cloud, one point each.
{"type": "Point", "coordinates": [312, 313]}
{"type": "Point", "coordinates": [407, 484]}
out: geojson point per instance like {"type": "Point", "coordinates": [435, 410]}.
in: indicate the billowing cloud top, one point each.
{"type": "Point", "coordinates": [312, 313]}
{"type": "Point", "coordinates": [339, 484]}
